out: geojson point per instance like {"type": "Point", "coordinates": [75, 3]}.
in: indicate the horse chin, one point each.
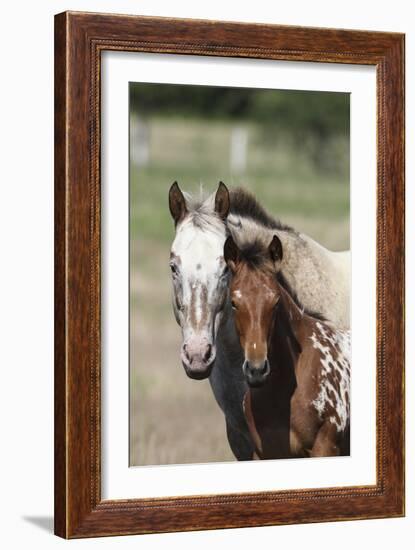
{"type": "Point", "coordinates": [199, 373]}
{"type": "Point", "coordinates": [256, 383]}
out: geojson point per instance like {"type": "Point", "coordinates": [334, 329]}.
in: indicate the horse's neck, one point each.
{"type": "Point", "coordinates": [271, 402]}
{"type": "Point", "coordinates": [303, 260]}
{"type": "Point", "coordinates": [228, 338]}
{"type": "Point", "coordinates": [318, 276]}
{"type": "Point", "coordinates": [227, 379]}
{"type": "Point", "coordinates": [304, 327]}
{"type": "Point", "coordinates": [293, 320]}
{"type": "Point", "coordinates": [287, 333]}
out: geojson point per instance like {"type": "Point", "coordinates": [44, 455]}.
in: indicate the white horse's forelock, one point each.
{"type": "Point", "coordinates": [201, 213]}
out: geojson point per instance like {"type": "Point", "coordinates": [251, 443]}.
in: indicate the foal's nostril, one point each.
{"type": "Point", "coordinates": [245, 368]}
{"type": "Point", "coordinates": [208, 353]}
{"type": "Point", "coordinates": [265, 369]}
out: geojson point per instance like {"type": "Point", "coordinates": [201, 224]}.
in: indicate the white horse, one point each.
{"type": "Point", "coordinates": [201, 300]}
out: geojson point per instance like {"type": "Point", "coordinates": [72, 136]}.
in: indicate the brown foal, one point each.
{"type": "Point", "coordinates": [297, 366]}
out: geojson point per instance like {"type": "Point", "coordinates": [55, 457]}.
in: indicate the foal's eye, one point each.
{"type": "Point", "coordinates": [233, 305]}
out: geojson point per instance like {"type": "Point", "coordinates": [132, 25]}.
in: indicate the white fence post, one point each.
{"type": "Point", "coordinates": [139, 141]}
{"type": "Point", "coordinates": [239, 147]}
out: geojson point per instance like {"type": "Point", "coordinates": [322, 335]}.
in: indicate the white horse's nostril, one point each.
{"type": "Point", "coordinates": [208, 352]}
{"type": "Point", "coordinates": [186, 353]}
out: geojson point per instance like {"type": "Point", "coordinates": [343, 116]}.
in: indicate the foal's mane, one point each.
{"type": "Point", "coordinates": [255, 255]}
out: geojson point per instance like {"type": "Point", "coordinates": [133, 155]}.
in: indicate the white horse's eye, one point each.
{"type": "Point", "coordinates": [174, 269]}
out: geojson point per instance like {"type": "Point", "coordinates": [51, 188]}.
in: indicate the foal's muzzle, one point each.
{"type": "Point", "coordinates": [256, 374]}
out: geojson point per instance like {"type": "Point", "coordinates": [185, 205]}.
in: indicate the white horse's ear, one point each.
{"type": "Point", "coordinates": [231, 253]}
{"type": "Point", "coordinates": [275, 249]}
{"type": "Point", "coordinates": [177, 203]}
{"type": "Point", "coordinates": [222, 201]}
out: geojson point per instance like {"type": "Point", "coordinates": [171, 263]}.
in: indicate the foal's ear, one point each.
{"type": "Point", "coordinates": [231, 253]}
{"type": "Point", "coordinates": [177, 203]}
{"type": "Point", "coordinates": [222, 201]}
{"type": "Point", "coordinates": [275, 249]}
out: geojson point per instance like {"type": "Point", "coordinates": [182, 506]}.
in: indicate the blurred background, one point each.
{"type": "Point", "coordinates": [291, 149]}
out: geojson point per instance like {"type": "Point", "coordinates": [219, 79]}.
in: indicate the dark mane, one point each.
{"type": "Point", "coordinates": [256, 256]}
{"type": "Point", "coordinates": [244, 204]}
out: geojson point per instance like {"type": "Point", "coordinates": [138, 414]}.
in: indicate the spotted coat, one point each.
{"type": "Point", "coordinates": [333, 400]}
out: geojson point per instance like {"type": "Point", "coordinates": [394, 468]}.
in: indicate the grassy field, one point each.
{"type": "Point", "coordinates": [175, 419]}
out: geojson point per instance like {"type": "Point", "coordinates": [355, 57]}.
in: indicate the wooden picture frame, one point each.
{"type": "Point", "coordinates": [79, 40]}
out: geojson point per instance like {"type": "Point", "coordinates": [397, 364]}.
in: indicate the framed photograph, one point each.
{"type": "Point", "coordinates": [229, 275]}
